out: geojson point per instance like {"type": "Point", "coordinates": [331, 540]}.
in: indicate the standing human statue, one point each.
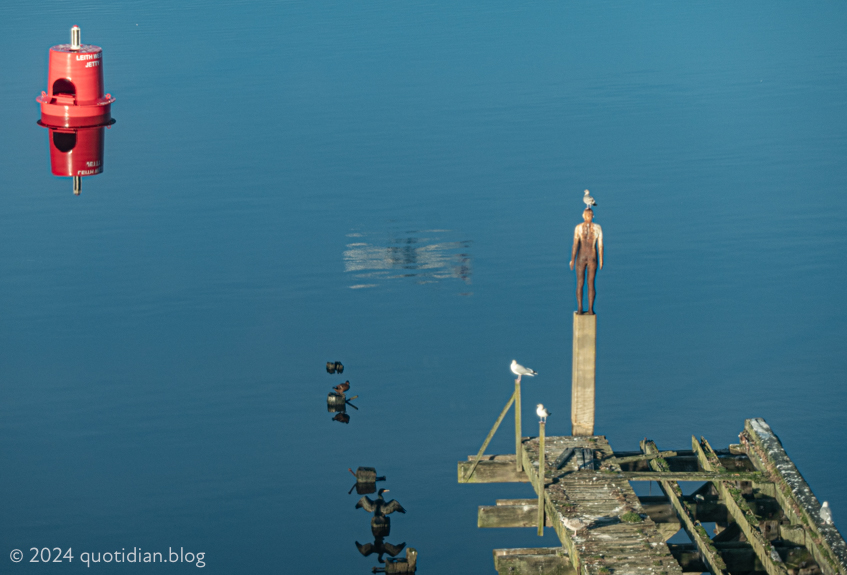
{"type": "Point", "coordinates": [587, 253]}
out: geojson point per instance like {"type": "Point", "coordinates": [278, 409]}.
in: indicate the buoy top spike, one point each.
{"type": "Point", "coordinates": [76, 38]}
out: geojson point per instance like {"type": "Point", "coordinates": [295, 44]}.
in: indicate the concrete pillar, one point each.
{"type": "Point", "coordinates": [582, 382]}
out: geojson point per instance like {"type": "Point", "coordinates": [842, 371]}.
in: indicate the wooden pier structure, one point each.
{"type": "Point", "coordinates": [767, 520]}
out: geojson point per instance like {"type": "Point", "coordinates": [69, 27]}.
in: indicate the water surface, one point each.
{"type": "Point", "coordinates": [164, 335]}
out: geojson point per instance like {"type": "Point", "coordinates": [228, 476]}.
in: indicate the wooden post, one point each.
{"type": "Point", "coordinates": [489, 436]}
{"type": "Point", "coordinates": [582, 382]}
{"type": "Point", "coordinates": [541, 426]}
{"type": "Point", "coordinates": [518, 445]}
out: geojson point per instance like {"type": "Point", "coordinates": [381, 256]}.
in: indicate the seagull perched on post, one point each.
{"type": "Point", "coordinates": [589, 201]}
{"type": "Point", "coordinates": [520, 370]}
{"type": "Point", "coordinates": [826, 513]}
{"type": "Point", "coordinates": [542, 412]}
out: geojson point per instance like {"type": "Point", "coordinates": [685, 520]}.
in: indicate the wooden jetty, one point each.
{"type": "Point", "coordinates": [767, 520]}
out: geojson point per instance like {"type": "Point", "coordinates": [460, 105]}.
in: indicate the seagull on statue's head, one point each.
{"type": "Point", "coordinates": [542, 412]}
{"type": "Point", "coordinates": [589, 201]}
{"type": "Point", "coordinates": [520, 370]}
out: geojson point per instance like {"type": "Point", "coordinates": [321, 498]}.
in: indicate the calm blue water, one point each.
{"type": "Point", "coordinates": [395, 186]}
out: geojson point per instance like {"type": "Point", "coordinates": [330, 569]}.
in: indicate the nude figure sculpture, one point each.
{"type": "Point", "coordinates": [587, 252]}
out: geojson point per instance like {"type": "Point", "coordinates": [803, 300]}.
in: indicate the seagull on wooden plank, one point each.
{"type": "Point", "coordinates": [542, 412]}
{"type": "Point", "coordinates": [589, 201]}
{"type": "Point", "coordinates": [574, 524]}
{"type": "Point", "coordinates": [826, 513]}
{"type": "Point", "coordinates": [520, 370]}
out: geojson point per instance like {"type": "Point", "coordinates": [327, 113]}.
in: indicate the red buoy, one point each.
{"type": "Point", "coordinates": [75, 96]}
{"type": "Point", "coordinates": [75, 109]}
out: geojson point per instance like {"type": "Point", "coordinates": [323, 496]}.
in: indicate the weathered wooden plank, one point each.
{"type": "Point", "coordinates": [563, 458]}
{"type": "Point", "coordinates": [495, 516]}
{"type": "Point", "coordinates": [643, 457]}
{"type": "Point", "coordinates": [687, 476]}
{"type": "Point", "coordinates": [794, 533]}
{"type": "Point", "coordinates": [524, 501]}
{"type": "Point", "coordinates": [610, 544]}
{"type": "Point", "coordinates": [798, 502]}
{"type": "Point", "coordinates": [710, 510]}
{"type": "Point", "coordinates": [686, 461]}
{"type": "Point", "coordinates": [564, 535]}
{"type": "Point", "coordinates": [587, 459]}
{"type": "Point", "coordinates": [478, 458]}
{"type": "Point", "coordinates": [547, 560]}
{"type": "Point", "coordinates": [582, 458]}
{"type": "Point", "coordinates": [713, 561]}
{"type": "Point", "coordinates": [492, 469]}
{"type": "Point", "coordinates": [739, 556]}
{"type": "Point", "coordinates": [739, 510]}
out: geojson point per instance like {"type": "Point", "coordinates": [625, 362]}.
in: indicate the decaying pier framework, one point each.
{"type": "Point", "coordinates": [767, 520]}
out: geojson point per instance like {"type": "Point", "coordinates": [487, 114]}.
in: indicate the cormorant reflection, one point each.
{"type": "Point", "coordinates": [381, 509]}
{"type": "Point", "coordinates": [366, 479]}
{"type": "Point", "coordinates": [380, 548]}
